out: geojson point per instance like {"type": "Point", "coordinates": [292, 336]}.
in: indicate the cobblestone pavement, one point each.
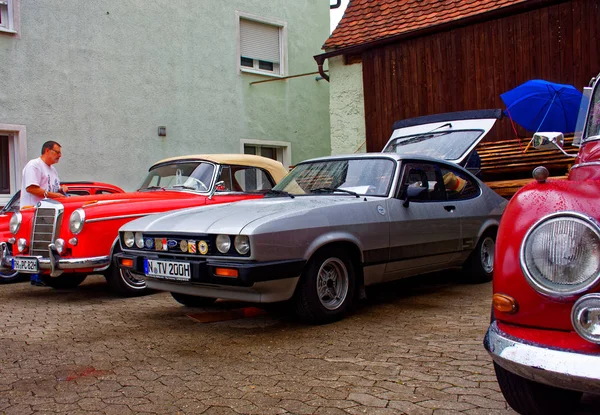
{"type": "Point", "coordinates": [412, 348]}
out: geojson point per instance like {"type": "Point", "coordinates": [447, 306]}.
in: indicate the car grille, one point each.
{"type": "Point", "coordinates": [46, 221]}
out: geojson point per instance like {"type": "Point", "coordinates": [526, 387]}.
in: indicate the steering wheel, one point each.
{"type": "Point", "coordinates": [198, 184]}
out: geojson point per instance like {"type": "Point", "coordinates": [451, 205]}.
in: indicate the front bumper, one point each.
{"type": "Point", "coordinates": [257, 281]}
{"type": "Point", "coordinates": [566, 369]}
{"type": "Point", "coordinates": [54, 263]}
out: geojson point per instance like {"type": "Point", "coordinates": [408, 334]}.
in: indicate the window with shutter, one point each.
{"type": "Point", "coordinates": [261, 46]}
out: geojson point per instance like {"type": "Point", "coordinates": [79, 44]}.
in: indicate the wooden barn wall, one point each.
{"type": "Point", "coordinates": [469, 67]}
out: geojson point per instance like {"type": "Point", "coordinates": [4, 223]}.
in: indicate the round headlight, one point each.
{"type": "Point", "coordinates": [223, 243]}
{"type": "Point", "coordinates": [21, 244]}
{"type": "Point", "coordinates": [128, 239]}
{"type": "Point", "coordinates": [76, 221]}
{"type": "Point", "coordinates": [60, 245]}
{"type": "Point", "coordinates": [139, 240]}
{"type": "Point", "coordinates": [15, 222]}
{"type": "Point", "coordinates": [242, 244]}
{"type": "Point", "coordinates": [585, 317]}
{"type": "Point", "coordinates": [559, 254]}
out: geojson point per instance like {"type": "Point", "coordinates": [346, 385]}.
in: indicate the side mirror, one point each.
{"type": "Point", "coordinates": [218, 186]}
{"type": "Point", "coordinates": [411, 193]}
{"type": "Point", "coordinates": [545, 141]}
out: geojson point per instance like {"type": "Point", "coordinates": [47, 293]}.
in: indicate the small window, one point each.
{"type": "Point", "coordinates": [244, 179]}
{"type": "Point", "coordinates": [426, 177]}
{"type": "Point", "coordinates": [6, 16]}
{"type": "Point", "coordinates": [261, 47]}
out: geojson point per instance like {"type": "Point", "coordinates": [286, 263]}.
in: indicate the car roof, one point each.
{"type": "Point", "coordinates": [274, 167]}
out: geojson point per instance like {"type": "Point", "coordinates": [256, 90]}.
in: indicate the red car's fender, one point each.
{"type": "Point", "coordinates": [527, 206]}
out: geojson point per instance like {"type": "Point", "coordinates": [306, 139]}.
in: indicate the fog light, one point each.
{"type": "Point", "coordinates": [504, 303]}
{"type": "Point", "coordinates": [73, 241]}
{"type": "Point", "coordinates": [60, 245]}
{"type": "Point", "coordinates": [12, 240]}
{"type": "Point", "coordinates": [21, 244]}
{"type": "Point", "coordinates": [585, 317]}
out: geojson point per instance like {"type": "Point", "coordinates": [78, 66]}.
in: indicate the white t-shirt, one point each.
{"type": "Point", "coordinates": [39, 173]}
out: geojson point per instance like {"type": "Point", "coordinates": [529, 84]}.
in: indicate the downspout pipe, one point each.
{"type": "Point", "coordinates": [337, 4]}
{"type": "Point", "coordinates": [320, 61]}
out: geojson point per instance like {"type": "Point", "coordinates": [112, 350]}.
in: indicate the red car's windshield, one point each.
{"type": "Point", "coordinates": [192, 175]}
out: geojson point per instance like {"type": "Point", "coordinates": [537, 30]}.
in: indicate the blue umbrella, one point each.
{"type": "Point", "coordinates": [540, 105]}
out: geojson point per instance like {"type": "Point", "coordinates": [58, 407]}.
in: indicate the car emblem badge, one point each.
{"type": "Point", "coordinates": [171, 243]}
{"type": "Point", "coordinates": [158, 244]}
{"type": "Point", "coordinates": [149, 242]}
{"type": "Point", "coordinates": [183, 245]}
{"type": "Point", "coordinates": [191, 247]}
{"type": "Point", "coordinates": [203, 247]}
{"type": "Point", "coordinates": [381, 210]}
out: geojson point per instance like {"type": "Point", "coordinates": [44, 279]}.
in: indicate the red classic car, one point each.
{"type": "Point", "coordinates": [544, 337]}
{"type": "Point", "coordinates": [79, 188]}
{"type": "Point", "coordinates": [65, 240]}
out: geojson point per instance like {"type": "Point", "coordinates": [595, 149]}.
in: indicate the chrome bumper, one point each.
{"type": "Point", "coordinates": [560, 368]}
{"type": "Point", "coordinates": [54, 263]}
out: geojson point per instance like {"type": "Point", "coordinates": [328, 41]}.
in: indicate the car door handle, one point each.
{"type": "Point", "coordinates": [450, 208]}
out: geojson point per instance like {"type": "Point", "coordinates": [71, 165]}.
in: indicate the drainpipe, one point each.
{"type": "Point", "coordinates": [337, 4]}
{"type": "Point", "coordinates": [320, 61]}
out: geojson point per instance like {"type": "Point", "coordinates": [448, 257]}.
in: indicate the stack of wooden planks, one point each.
{"type": "Point", "coordinates": [506, 165]}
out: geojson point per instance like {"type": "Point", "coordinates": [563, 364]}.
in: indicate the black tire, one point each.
{"type": "Point", "coordinates": [64, 281]}
{"type": "Point", "coordinates": [125, 282]}
{"type": "Point", "coordinates": [10, 277]}
{"type": "Point", "coordinates": [192, 300]}
{"type": "Point", "coordinates": [479, 267]}
{"type": "Point", "coordinates": [531, 398]}
{"type": "Point", "coordinates": [326, 288]}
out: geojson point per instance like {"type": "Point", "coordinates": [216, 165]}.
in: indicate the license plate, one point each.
{"type": "Point", "coordinates": [169, 270]}
{"type": "Point", "coordinates": [25, 265]}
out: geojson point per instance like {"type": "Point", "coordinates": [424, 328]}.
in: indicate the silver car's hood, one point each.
{"type": "Point", "coordinates": [240, 217]}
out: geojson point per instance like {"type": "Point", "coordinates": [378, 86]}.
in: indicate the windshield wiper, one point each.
{"type": "Point", "coordinates": [332, 189]}
{"type": "Point", "coordinates": [151, 188]}
{"type": "Point", "coordinates": [279, 193]}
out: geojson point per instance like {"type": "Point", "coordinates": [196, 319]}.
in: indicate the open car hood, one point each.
{"type": "Point", "coordinates": [450, 136]}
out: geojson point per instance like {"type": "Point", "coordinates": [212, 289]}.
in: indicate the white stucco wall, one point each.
{"type": "Point", "coordinates": [347, 109]}
{"type": "Point", "coordinates": [100, 77]}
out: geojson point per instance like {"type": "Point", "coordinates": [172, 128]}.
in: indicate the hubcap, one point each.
{"type": "Point", "coordinates": [487, 255]}
{"type": "Point", "coordinates": [132, 280]}
{"type": "Point", "coordinates": [332, 283]}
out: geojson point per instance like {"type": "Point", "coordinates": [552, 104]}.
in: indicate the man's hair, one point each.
{"type": "Point", "coordinates": [49, 145]}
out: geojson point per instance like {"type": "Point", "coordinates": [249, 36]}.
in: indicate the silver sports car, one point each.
{"type": "Point", "coordinates": [332, 226]}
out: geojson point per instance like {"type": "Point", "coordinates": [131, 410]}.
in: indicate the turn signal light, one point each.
{"type": "Point", "coordinates": [126, 262]}
{"type": "Point", "coordinates": [226, 272]}
{"type": "Point", "coordinates": [504, 304]}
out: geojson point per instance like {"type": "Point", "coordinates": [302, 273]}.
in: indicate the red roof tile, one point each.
{"type": "Point", "coordinates": [366, 21]}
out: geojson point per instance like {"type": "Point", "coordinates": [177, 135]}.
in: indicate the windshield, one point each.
{"type": "Point", "coordinates": [369, 177]}
{"type": "Point", "coordinates": [592, 127]}
{"type": "Point", "coordinates": [449, 145]}
{"type": "Point", "coordinates": [13, 204]}
{"type": "Point", "coordinates": [191, 175]}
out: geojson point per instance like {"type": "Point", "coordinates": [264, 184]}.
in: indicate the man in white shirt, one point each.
{"type": "Point", "coordinates": [40, 178]}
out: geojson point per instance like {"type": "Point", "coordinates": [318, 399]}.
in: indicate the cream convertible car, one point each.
{"type": "Point", "coordinates": [332, 226]}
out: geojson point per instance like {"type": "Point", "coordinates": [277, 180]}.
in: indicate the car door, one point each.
{"type": "Point", "coordinates": [425, 232]}
{"type": "Point", "coordinates": [462, 193]}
